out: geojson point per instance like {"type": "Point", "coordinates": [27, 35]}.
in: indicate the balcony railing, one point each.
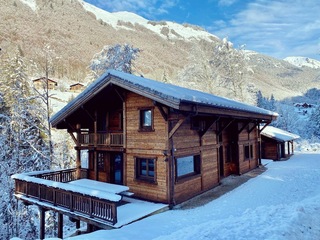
{"type": "Point", "coordinates": [52, 188]}
{"type": "Point", "coordinates": [102, 139]}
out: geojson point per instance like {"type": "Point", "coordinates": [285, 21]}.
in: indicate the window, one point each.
{"type": "Point", "coordinates": [187, 166]}
{"type": "Point", "coordinates": [146, 119]}
{"type": "Point", "coordinates": [248, 152]}
{"type": "Point", "coordinates": [145, 169]}
{"type": "Point", "coordinates": [101, 165]}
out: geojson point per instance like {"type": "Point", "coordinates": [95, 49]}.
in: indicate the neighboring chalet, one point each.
{"type": "Point", "coordinates": [277, 144]}
{"type": "Point", "coordinates": [41, 83]}
{"type": "Point", "coordinates": [77, 87]}
{"type": "Point", "coordinates": [145, 140]}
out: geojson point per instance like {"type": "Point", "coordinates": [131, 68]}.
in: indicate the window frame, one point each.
{"type": "Point", "coordinates": [138, 167]}
{"type": "Point", "coordinates": [142, 126]}
{"type": "Point", "coordinates": [196, 167]}
{"type": "Point", "coordinates": [248, 152]}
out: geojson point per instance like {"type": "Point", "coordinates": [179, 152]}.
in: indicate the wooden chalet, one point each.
{"type": "Point", "coordinates": [41, 83]}
{"type": "Point", "coordinates": [277, 144]}
{"type": "Point", "coordinates": [154, 141]}
{"type": "Point", "coordinates": [77, 87]}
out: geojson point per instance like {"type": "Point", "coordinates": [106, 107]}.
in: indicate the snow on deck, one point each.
{"type": "Point", "coordinates": [279, 134]}
{"type": "Point", "coordinates": [104, 195]}
{"type": "Point", "coordinates": [100, 186]}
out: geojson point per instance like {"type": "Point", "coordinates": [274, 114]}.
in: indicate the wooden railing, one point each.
{"type": "Point", "coordinates": [105, 139]}
{"type": "Point", "coordinates": [66, 175]}
{"type": "Point", "coordinates": [61, 196]}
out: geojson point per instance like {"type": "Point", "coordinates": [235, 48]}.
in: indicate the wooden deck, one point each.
{"type": "Point", "coordinates": [96, 203]}
{"type": "Point", "coordinates": [54, 191]}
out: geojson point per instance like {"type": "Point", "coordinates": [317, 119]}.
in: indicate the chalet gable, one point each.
{"type": "Point", "coordinates": [176, 97]}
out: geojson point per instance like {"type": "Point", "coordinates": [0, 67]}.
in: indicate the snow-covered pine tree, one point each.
{"type": "Point", "coordinates": [314, 122]}
{"type": "Point", "coordinates": [22, 146]}
{"type": "Point", "coordinates": [118, 57]}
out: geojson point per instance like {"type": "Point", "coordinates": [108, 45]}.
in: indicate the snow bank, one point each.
{"type": "Point", "coordinates": [282, 203]}
{"type": "Point", "coordinates": [296, 221]}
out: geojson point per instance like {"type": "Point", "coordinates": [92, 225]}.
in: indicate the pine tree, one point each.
{"type": "Point", "coordinates": [22, 146]}
{"type": "Point", "coordinates": [314, 122]}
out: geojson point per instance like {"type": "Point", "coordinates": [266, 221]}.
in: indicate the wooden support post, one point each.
{"type": "Point", "coordinates": [89, 228]}
{"type": "Point", "coordinates": [42, 223]}
{"type": "Point", "coordinates": [60, 225]}
{"type": "Point", "coordinates": [95, 154]}
{"type": "Point", "coordinates": [78, 157]}
{"type": "Point", "coordinates": [77, 224]}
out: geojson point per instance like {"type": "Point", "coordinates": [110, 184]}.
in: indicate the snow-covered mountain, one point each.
{"type": "Point", "coordinates": [76, 31]}
{"type": "Point", "coordinates": [303, 62]}
{"type": "Point", "coordinates": [165, 29]}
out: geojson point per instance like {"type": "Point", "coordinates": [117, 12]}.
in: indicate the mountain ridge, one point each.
{"type": "Point", "coordinates": [76, 34]}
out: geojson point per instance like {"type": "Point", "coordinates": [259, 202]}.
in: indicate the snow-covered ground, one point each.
{"type": "Point", "coordinates": [281, 203]}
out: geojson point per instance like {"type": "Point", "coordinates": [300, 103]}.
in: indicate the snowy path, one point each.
{"type": "Point", "coordinates": [281, 203]}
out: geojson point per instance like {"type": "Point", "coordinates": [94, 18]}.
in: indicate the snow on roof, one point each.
{"type": "Point", "coordinates": [279, 134]}
{"type": "Point", "coordinates": [168, 94]}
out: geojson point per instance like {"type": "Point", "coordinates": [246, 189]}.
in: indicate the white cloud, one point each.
{"type": "Point", "coordinates": [145, 8]}
{"type": "Point", "coordinates": [280, 28]}
{"type": "Point", "coordinates": [226, 2]}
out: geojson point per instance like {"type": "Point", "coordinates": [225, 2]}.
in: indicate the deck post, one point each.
{"type": "Point", "coordinates": [60, 225]}
{"type": "Point", "coordinates": [78, 156]}
{"type": "Point", "coordinates": [77, 224]}
{"type": "Point", "coordinates": [42, 223]}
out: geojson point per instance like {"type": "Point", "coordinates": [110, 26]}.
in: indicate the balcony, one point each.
{"type": "Point", "coordinates": [55, 190]}
{"type": "Point", "coordinates": [101, 139]}
{"type": "Point", "coordinates": [97, 203]}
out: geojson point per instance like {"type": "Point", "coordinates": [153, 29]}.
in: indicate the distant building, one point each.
{"type": "Point", "coordinates": [40, 83]}
{"type": "Point", "coordinates": [77, 87]}
{"type": "Point", "coordinates": [277, 144]}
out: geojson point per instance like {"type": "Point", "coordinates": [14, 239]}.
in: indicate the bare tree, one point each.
{"type": "Point", "coordinates": [118, 57]}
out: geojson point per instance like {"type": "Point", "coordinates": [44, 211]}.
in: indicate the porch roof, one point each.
{"type": "Point", "coordinates": [278, 134]}
{"type": "Point", "coordinates": [166, 94]}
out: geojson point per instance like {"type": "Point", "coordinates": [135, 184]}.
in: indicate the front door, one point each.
{"type": "Point", "coordinates": [116, 168]}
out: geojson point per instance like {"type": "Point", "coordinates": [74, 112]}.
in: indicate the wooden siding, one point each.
{"type": "Point", "coordinates": [248, 139]}
{"type": "Point", "coordinates": [146, 144]}
{"type": "Point", "coordinates": [188, 142]}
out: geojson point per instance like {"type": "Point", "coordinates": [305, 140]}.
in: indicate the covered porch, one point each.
{"type": "Point", "coordinates": [99, 204]}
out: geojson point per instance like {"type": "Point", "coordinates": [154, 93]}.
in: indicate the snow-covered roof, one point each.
{"type": "Point", "coordinates": [278, 134]}
{"type": "Point", "coordinates": [167, 94]}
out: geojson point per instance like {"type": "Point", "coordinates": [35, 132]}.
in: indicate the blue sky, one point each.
{"type": "Point", "coordinates": [278, 28]}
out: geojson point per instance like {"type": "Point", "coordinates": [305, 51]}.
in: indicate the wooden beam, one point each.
{"type": "Point", "coordinates": [209, 126]}
{"type": "Point", "coordinates": [260, 130]}
{"type": "Point", "coordinates": [175, 128]}
{"type": "Point", "coordinates": [225, 127]}
{"type": "Point", "coordinates": [163, 113]}
{"type": "Point", "coordinates": [60, 225]}
{"type": "Point", "coordinates": [42, 223]}
{"type": "Point", "coordinates": [73, 137]}
{"type": "Point", "coordinates": [77, 224]}
{"type": "Point", "coordinates": [254, 126]}
{"type": "Point", "coordinates": [244, 126]}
